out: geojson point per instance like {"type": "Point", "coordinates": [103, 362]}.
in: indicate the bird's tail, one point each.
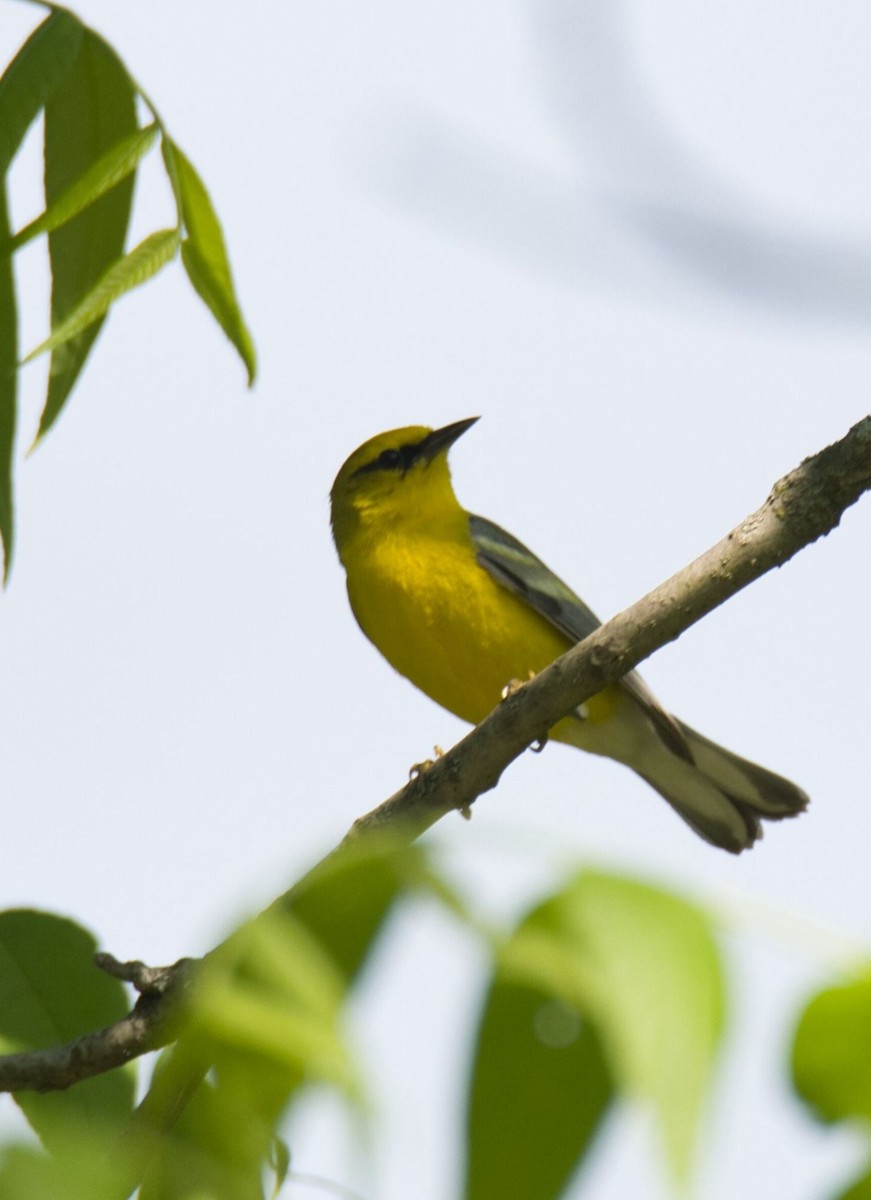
{"type": "Point", "coordinates": [722, 796]}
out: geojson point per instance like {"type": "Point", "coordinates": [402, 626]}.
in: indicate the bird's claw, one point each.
{"type": "Point", "coordinates": [513, 686]}
{"type": "Point", "coordinates": [420, 767]}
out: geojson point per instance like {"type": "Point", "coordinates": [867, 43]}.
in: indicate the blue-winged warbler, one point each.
{"type": "Point", "coordinates": [461, 608]}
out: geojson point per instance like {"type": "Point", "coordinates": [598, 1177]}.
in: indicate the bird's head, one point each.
{"type": "Point", "coordinates": [395, 477]}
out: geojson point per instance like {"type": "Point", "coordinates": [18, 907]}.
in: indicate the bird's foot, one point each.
{"type": "Point", "coordinates": [513, 686]}
{"type": "Point", "coordinates": [420, 767]}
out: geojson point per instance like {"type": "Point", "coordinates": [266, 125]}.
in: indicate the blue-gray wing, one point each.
{"type": "Point", "coordinates": [517, 568]}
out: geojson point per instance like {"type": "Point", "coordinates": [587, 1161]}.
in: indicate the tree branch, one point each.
{"type": "Point", "coordinates": [144, 1028]}
{"type": "Point", "coordinates": [805, 505]}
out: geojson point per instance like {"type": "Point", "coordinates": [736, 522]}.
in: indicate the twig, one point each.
{"type": "Point", "coordinates": [146, 1028]}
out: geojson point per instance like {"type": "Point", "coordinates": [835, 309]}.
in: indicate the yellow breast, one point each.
{"type": "Point", "coordinates": [443, 622]}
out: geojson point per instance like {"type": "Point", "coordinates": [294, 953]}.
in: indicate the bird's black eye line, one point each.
{"type": "Point", "coordinates": [395, 458]}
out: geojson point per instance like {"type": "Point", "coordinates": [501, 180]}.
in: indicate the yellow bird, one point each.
{"type": "Point", "coordinates": [460, 607]}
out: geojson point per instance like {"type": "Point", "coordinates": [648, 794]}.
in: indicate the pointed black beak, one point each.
{"type": "Point", "coordinates": [440, 439]}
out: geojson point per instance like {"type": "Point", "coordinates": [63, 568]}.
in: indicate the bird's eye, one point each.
{"type": "Point", "coordinates": [390, 459]}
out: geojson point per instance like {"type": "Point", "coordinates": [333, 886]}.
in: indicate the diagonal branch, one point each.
{"type": "Point", "coordinates": [805, 505]}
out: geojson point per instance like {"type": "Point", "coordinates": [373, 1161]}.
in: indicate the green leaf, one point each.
{"type": "Point", "coordinates": [859, 1189]}
{"type": "Point", "coordinates": [87, 1171]}
{"type": "Point", "coordinates": [32, 76]}
{"type": "Point", "coordinates": [204, 253]}
{"type": "Point", "coordinates": [107, 172]}
{"type": "Point", "coordinates": [51, 993]}
{"type": "Point", "coordinates": [270, 992]}
{"type": "Point", "coordinates": [539, 1090]}
{"type": "Point", "coordinates": [266, 1014]}
{"type": "Point", "coordinates": [279, 1164]}
{"type": "Point", "coordinates": [8, 389]}
{"type": "Point", "coordinates": [345, 900]}
{"type": "Point", "coordinates": [831, 1054]}
{"type": "Point", "coordinates": [643, 964]}
{"type": "Point", "coordinates": [91, 110]}
{"type": "Point", "coordinates": [143, 261]}
{"type": "Point", "coordinates": [217, 1149]}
